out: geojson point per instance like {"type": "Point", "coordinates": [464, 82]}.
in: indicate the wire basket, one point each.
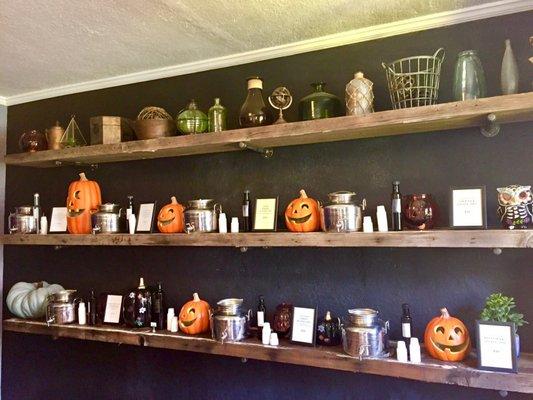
{"type": "Point", "coordinates": [414, 81]}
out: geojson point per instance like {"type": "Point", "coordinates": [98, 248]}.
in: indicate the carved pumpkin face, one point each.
{"type": "Point", "coordinates": [83, 199]}
{"type": "Point", "coordinates": [302, 214]}
{"type": "Point", "coordinates": [194, 316]}
{"type": "Point", "coordinates": [170, 217]}
{"type": "Point", "coordinates": [446, 338]}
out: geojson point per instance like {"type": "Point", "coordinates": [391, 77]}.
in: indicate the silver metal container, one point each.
{"type": "Point", "coordinates": [364, 334]}
{"type": "Point", "coordinates": [229, 323]}
{"type": "Point", "coordinates": [107, 219]}
{"type": "Point", "coordinates": [202, 215]}
{"type": "Point", "coordinates": [61, 307]}
{"type": "Point", "coordinates": [342, 214]}
{"type": "Point", "coordinates": [22, 220]}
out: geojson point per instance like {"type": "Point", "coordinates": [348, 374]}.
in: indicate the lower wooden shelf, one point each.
{"type": "Point", "coordinates": [493, 238]}
{"type": "Point", "coordinates": [430, 370]}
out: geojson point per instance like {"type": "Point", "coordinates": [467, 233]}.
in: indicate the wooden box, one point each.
{"type": "Point", "coordinates": [108, 130]}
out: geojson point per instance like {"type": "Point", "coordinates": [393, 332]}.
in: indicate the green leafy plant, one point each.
{"type": "Point", "coordinates": [499, 308]}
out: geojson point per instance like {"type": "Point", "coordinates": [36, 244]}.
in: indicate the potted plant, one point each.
{"type": "Point", "coordinates": [500, 308]}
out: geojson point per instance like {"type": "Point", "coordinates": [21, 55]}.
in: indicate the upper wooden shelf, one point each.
{"type": "Point", "coordinates": [429, 370]}
{"type": "Point", "coordinates": [500, 238]}
{"type": "Point", "coordinates": [464, 114]}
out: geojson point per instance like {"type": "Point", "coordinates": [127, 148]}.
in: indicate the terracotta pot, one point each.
{"type": "Point", "coordinates": [154, 128]}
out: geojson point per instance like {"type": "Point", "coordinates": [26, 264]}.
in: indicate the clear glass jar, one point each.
{"type": "Point", "coordinates": [469, 79]}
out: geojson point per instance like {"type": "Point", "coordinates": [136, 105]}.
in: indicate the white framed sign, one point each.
{"type": "Point", "coordinates": [468, 208]}
{"type": "Point", "coordinates": [113, 309]}
{"type": "Point", "coordinates": [303, 326]}
{"type": "Point", "coordinates": [496, 346]}
{"type": "Point", "coordinates": [265, 215]}
{"type": "Point", "coordinates": [145, 218]}
{"type": "Point", "coordinates": [58, 220]}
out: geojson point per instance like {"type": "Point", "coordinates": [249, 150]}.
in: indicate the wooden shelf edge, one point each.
{"type": "Point", "coordinates": [462, 374]}
{"type": "Point", "coordinates": [493, 238]}
{"type": "Point", "coordinates": [446, 116]}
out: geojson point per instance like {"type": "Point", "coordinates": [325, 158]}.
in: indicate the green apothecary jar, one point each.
{"type": "Point", "coordinates": [217, 117]}
{"type": "Point", "coordinates": [319, 104]}
{"type": "Point", "coordinates": [191, 120]}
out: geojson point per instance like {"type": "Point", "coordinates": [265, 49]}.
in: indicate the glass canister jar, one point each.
{"type": "Point", "coordinates": [319, 104]}
{"type": "Point", "coordinates": [469, 78]}
{"type": "Point", "coordinates": [217, 117]}
{"type": "Point", "coordinates": [32, 141]}
{"type": "Point", "coordinates": [419, 211]}
{"type": "Point", "coordinates": [191, 120]}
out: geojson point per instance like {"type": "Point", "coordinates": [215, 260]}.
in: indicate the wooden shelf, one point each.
{"type": "Point", "coordinates": [438, 238]}
{"type": "Point", "coordinates": [465, 114]}
{"type": "Point", "coordinates": [430, 370]}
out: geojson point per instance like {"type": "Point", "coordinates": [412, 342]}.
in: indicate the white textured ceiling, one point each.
{"type": "Point", "coordinates": [50, 43]}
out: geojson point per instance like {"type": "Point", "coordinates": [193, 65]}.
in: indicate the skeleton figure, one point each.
{"type": "Point", "coordinates": [516, 206]}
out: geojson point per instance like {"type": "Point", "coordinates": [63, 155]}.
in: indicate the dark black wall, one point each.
{"type": "Point", "coordinates": [334, 279]}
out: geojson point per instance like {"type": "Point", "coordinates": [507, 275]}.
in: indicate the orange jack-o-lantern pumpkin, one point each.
{"type": "Point", "coordinates": [194, 316]}
{"type": "Point", "coordinates": [170, 217]}
{"type": "Point", "coordinates": [447, 338]}
{"type": "Point", "coordinates": [302, 214]}
{"type": "Point", "coordinates": [83, 199]}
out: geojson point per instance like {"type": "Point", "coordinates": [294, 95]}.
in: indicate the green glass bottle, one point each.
{"type": "Point", "coordinates": [217, 117]}
{"type": "Point", "coordinates": [319, 104]}
{"type": "Point", "coordinates": [191, 120]}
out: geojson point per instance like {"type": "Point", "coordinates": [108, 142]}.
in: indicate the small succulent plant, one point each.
{"type": "Point", "coordinates": [500, 308]}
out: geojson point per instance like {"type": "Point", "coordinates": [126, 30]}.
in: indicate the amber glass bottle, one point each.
{"type": "Point", "coordinates": [254, 111]}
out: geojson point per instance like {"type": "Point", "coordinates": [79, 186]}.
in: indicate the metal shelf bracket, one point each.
{"type": "Point", "coordinates": [490, 127]}
{"type": "Point", "coordinates": [266, 152]}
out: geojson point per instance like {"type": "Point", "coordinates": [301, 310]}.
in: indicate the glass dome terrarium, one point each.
{"type": "Point", "coordinates": [191, 120]}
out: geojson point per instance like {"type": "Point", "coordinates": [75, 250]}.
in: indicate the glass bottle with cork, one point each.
{"type": "Point", "coordinates": [254, 111]}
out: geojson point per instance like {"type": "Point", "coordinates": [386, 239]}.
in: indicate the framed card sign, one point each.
{"type": "Point", "coordinates": [112, 308]}
{"type": "Point", "coordinates": [303, 326]}
{"type": "Point", "coordinates": [265, 215]}
{"type": "Point", "coordinates": [468, 208]}
{"type": "Point", "coordinates": [496, 346]}
{"type": "Point", "coordinates": [58, 220]}
{"type": "Point", "coordinates": [146, 217]}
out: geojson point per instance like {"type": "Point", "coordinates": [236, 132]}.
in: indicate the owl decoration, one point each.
{"type": "Point", "coordinates": [516, 206]}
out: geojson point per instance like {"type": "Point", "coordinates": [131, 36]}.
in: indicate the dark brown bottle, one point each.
{"type": "Point", "coordinates": [246, 212]}
{"type": "Point", "coordinates": [407, 323]}
{"type": "Point", "coordinates": [396, 207]}
{"type": "Point", "coordinates": [91, 309]}
{"type": "Point", "coordinates": [254, 111]}
{"type": "Point", "coordinates": [158, 307]}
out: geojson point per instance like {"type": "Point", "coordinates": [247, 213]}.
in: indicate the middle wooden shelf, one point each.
{"type": "Point", "coordinates": [496, 238]}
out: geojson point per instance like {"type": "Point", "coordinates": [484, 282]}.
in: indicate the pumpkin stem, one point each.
{"type": "Point", "coordinates": [38, 285]}
{"type": "Point", "coordinates": [83, 177]}
{"type": "Point", "coordinates": [444, 312]}
{"type": "Point", "coordinates": [173, 200]}
{"type": "Point", "coordinates": [303, 195]}
{"type": "Point", "coordinates": [195, 297]}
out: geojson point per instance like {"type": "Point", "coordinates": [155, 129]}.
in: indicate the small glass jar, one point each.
{"type": "Point", "coordinates": [191, 120]}
{"type": "Point", "coordinates": [319, 104]}
{"type": "Point", "coordinates": [469, 78]}
{"type": "Point", "coordinates": [419, 211]}
{"type": "Point", "coordinates": [33, 141]}
{"type": "Point", "coordinates": [217, 117]}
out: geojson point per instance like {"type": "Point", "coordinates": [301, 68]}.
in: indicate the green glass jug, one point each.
{"type": "Point", "coordinates": [191, 120]}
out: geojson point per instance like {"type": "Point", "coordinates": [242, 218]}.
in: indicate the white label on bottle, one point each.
{"type": "Point", "coordinates": [245, 210]}
{"type": "Point", "coordinates": [128, 213]}
{"type": "Point", "coordinates": [260, 318]}
{"type": "Point", "coordinates": [396, 206]}
{"type": "Point", "coordinates": [406, 329]}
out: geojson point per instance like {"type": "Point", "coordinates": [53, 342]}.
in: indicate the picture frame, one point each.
{"type": "Point", "coordinates": [265, 217]}
{"type": "Point", "coordinates": [110, 308]}
{"type": "Point", "coordinates": [146, 217]}
{"type": "Point", "coordinates": [496, 346]}
{"type": "Point", "coordinates": [58, 220]}
{"type": "Point", "coordinates": [303, 326]}
{"type": "Point", "coordinates": [468, 207]}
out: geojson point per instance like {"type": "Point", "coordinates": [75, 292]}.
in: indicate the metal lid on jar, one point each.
{"type": "Point", "coordinates": [363, 316]}
{"type": "Point", "coordinates": [342, 197]}
{"type": "Point", "coordinates": [24, 210]}
{"type": "Point", "coordinates": [109, 207]}
{"type": "Point", "coordinates": [200, 203]}
{"type": "Point", "coordinates": [231, 306]}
